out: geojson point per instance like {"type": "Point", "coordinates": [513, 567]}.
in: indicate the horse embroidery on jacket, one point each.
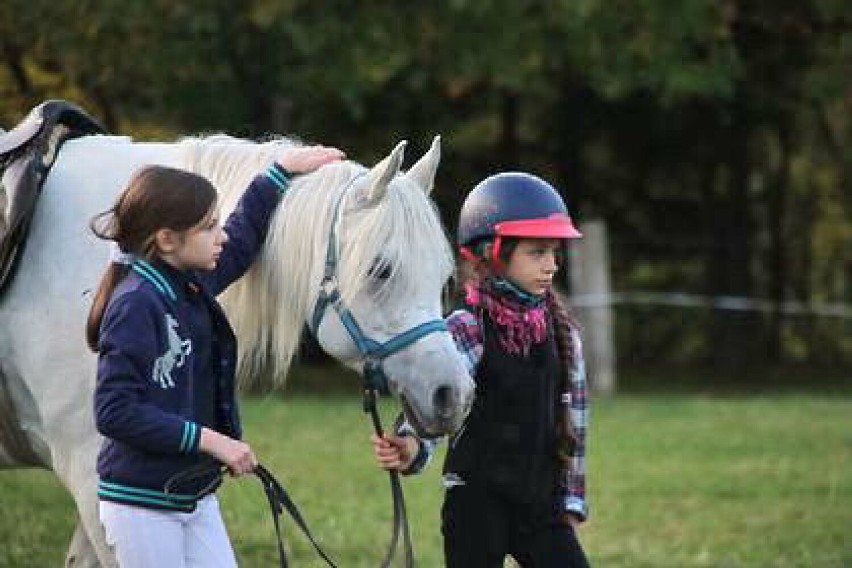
{"type": "Point", "coordinates": [175, 355]}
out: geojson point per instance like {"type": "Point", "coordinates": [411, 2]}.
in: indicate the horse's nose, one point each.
{"type": "Point", "coordinates": [444, 400]}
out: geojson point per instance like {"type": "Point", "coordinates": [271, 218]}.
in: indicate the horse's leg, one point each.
{"type": "Point", "coordinates": [81, 553]}
{"type": "Point", "coordinates": [88, 546]}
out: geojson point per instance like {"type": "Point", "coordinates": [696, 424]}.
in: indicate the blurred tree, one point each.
{"type": "Point", "coordinates": [703, 107]}
{"type": "Point", "coordinates": [710, 134]}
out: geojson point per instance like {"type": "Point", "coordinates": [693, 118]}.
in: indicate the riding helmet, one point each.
{"type": "Point", "coordinates": [513, 204]}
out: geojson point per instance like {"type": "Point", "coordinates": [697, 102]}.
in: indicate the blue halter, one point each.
{"type": "Point", "coordinates": [373, 352]}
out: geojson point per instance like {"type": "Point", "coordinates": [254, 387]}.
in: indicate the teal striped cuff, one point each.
{"type": "Point", "coordinates": [279, 176]}
{"type": "Point", "coordinates": [191, 437]}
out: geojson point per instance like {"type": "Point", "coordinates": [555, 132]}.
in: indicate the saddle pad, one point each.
{"type": "Point", "coordinates": [30, 151]}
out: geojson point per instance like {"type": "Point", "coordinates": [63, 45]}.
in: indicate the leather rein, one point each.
{"type": "Point", "coordinates": [279, 500]}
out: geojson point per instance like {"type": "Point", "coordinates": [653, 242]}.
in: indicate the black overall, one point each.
{"type": "Point", "coordinates": [506, 458]}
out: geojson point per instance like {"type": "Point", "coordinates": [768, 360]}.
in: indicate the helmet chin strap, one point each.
{"type": "Point", "coordinates": [490, 258]}
{"type": "Point", "coordinates": [496, 261]}
{"type": "Point", "coordinates": [468, 254]}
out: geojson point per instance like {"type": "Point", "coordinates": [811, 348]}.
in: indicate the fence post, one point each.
{"type": "Point", "coordinates": [589, 268]}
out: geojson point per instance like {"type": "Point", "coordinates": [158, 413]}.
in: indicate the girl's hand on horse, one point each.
{"type": "Point", "coordinates": [395, 452]}
{"type": "Point", "coordinates": [235, 454]}
{"type": "Point", "coordinates": [304, 159]}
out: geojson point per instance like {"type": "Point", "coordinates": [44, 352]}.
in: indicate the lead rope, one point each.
{"type": "Point", "coordinates": [279, 500]}
{"type": "Point", "coordinates": [277, 497]}
{"type": "Point", "coordinates": [400, 518]}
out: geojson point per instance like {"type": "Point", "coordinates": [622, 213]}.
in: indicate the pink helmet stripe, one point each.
{"type": "Point", "coordinates": [556, 226]}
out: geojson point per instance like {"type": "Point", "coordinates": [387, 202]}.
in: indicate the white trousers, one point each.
{"type": "Point", "coordinates": [145, 538]}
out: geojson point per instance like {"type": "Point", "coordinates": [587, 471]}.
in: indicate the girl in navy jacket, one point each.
{"type": "Point", "coordinates": [164, 399]}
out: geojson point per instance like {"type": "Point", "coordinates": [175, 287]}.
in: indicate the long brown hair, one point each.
{"type": "Point", "coordinates": [156, 197]}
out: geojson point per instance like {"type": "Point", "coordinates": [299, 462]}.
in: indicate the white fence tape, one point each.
{"type": "Point", "coordinates": [731, 303]}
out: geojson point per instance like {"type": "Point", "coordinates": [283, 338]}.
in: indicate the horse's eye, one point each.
{"type": "Point", "coordinates": [380, 270]}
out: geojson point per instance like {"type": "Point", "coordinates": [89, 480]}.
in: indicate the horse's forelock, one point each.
{"type": "Point", "coordinates": [404, 232]}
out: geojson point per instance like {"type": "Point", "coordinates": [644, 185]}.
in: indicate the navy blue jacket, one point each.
{"type": "Point", "coordinates": [164, 342]}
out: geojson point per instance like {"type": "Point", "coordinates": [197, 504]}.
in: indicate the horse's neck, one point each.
{"type": "Point", "coordinates": [229, 163]}
{"type": "Point", "coordinates": [269, 306]}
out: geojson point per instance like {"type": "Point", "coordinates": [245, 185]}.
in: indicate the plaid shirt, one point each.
{"type": "Point", "coordinates": [467, 334]}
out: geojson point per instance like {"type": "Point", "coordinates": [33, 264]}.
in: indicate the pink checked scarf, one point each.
{"type": "Point", "coordinates": [521, 323]}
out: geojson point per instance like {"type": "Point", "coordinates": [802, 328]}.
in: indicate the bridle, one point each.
{"type": "Point", "coordinates": [374, 353]}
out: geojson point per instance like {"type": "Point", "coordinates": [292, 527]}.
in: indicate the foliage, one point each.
{"type": "Point", "coordinates": [710, 135]}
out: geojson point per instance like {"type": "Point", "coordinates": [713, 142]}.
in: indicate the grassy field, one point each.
{"type": "Point", "coordinates": [680, 481]}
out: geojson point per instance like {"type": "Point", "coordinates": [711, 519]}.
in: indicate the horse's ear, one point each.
{"type": "Point", "coordinates": [423, 172]}
{"type": "Point", "coordinates": [383, 173]}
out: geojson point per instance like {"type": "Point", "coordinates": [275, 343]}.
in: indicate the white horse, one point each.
{"type": "Point", "coordinates": [390, 260]}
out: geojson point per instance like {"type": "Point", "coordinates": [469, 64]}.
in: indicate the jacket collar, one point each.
{"type": "Point", "coordinates": [168, 281]}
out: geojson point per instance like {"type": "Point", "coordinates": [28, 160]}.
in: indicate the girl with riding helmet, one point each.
{"type": "Point", "coordinates": [515, 471]}
{"type": "Point", "coordinates": [164, 397]}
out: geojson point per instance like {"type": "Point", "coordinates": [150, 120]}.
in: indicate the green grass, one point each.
{"type": "Point", "coordinates": [681, 481]}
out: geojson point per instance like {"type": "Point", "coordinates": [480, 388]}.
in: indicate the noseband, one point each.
{"type": "Point", "coordinates": [372, 352]}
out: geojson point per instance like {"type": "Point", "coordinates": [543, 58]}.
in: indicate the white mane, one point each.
{"type": "Point", "coordinates": [267, 307]}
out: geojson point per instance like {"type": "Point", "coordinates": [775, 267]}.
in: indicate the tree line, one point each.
{"type": "Point", "coordinates": [710, 135]}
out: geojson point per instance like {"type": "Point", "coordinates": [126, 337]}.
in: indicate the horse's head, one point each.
{"type": "Point", "coordinates": [379, 296]}
{"type": "Point", "coordinates": [372, 240]}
